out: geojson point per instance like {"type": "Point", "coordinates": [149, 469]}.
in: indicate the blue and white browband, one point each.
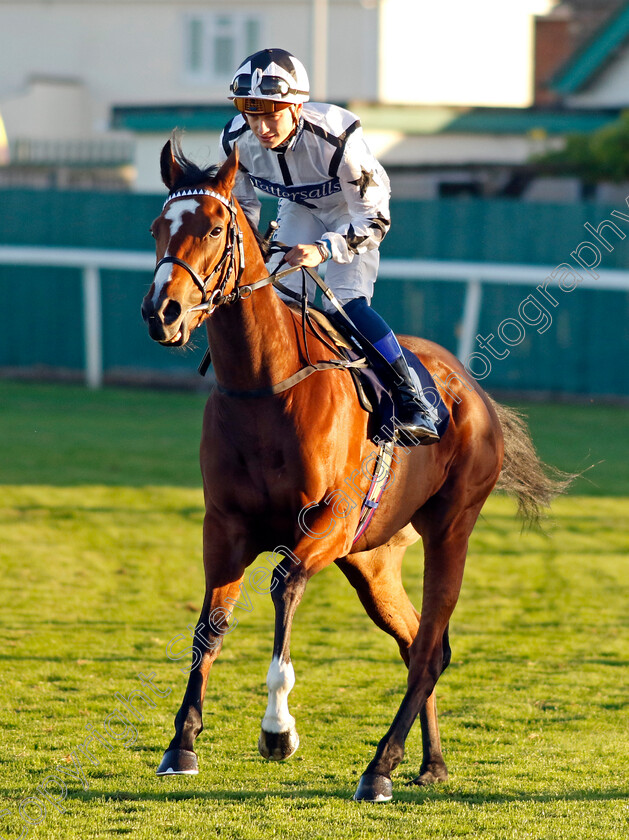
{"type": "Point", "coordinates": [193, 192]}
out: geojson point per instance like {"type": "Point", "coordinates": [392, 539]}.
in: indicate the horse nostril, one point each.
{"type": "Point", "coordinates": [172, 311]}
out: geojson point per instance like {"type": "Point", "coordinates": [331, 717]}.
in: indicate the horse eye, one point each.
{"type": "Point", "coordinates": [216, 232]}
{"type": "Point", "coordinates": [151, 232]}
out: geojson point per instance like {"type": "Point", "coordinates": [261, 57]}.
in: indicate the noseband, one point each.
{"type": "Point", "coordinates": [226, 261]}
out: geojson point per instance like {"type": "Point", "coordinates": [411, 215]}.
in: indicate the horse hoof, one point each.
{"type": "Point", "coordinates": [374, 788]}
{"type": "Point", "coordinates": [178, 763]}
{"type": "Point", "coordinates": [430, 775]}
{"type": "Point", "coordinates": [276, 746]}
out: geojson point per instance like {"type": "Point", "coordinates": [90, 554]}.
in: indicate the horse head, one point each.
{"type": "Point", "coordinates": [196, 238]}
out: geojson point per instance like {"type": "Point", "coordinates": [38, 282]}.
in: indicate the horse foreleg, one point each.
{"type": "Point", "coordinates": [278, 735]}
{"type": "Point", "coordinates": [445, 550]}
{"type": "Point", "coordinates": [225, 561]}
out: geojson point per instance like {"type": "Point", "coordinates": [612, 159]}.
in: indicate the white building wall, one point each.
{"type": "Point", "coordinates": [137, 52]}
{"type": "Point", "coordinates": [49, 109]}
{"type": "Point", "coordinates": [449, 149]}
{"type": "Point", "coordinates": [454, 52]}
{"type": "Point", "coordinates": [65, 63]}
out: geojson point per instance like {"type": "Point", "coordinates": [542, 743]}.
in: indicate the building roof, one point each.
{"type": "Point", "coordinates": [522, 121]}
{"type": "Point", "coordinates": [594, 55]}
{"type": "Point", "coordinates": [165, 118]}
{"type": "Point", "coordinates": [405, 119]}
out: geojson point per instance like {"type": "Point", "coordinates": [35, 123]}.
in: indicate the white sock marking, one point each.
{"type": "Point", "coordinates": [279, 680]}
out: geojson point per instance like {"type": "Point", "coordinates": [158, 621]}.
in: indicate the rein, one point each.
{"type": "Point", "coordinates": [303, 373]}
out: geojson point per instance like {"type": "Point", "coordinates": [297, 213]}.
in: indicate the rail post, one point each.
{"type": "Point", "coordinates": [92, 327]}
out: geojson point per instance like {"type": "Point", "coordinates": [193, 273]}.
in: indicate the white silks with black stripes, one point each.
{"type": "Point", "coordinates": [328, 183]}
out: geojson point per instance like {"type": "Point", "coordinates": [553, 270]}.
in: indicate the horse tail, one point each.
{"type": "Point", "coordinates": [524, 475]}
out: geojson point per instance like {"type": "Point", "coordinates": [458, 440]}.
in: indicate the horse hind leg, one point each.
{"type": "Point", "coordinates": [445, 548]}
{"type": "Point", "coordinates": [376, 576]}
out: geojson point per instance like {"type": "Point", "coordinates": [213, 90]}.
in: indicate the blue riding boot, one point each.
{"type": "Point", "coordinates": [412, 410]}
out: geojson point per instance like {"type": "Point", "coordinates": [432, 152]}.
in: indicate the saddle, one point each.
{"type": "Point", "coordinates": [373, 395]}
{"type": "Point", "coordinates": [344, 341]}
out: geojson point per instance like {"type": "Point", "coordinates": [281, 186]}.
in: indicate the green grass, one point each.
{"type": "Point", "coordinates": [592, 439]}
{"type": "Point", "coordinates": [63, 435]}
{"type": "Point", "coordinates": [101, 535]}
{"type": "Point", "coordinates": [66, 435]}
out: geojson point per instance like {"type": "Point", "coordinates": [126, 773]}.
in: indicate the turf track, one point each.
{"type": "Point", "coordinates": [100, 554]}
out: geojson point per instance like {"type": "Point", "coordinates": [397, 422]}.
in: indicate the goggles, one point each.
{"type": "Point", "coordinates": [268, 86]}
{"type": "Point", "coordinates": [259, 106]}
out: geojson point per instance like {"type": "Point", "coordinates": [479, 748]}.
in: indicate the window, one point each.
{"type": "Point", "coordinates": [215, 43]}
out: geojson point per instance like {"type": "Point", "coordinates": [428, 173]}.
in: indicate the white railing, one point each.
{"type": "Point", "coordinates": [90, 262]}
{"type": "Point", "coordinates": [477, 274]}
{"type": "Point", "coordinates": [474, 275]}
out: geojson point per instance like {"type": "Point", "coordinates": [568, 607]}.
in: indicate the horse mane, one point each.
{"type": "Point", "coordinates": [192, 175]}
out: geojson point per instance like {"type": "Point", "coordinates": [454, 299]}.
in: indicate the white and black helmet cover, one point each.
{"type": "Point", "coordinates": [271, 74]}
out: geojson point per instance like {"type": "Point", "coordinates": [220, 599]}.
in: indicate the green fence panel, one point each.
{"type": "Point", "coordinates": [582, 351]}
{"type": "Point", "coordinates": [41, 327]}
{"type": "Point", "coordinates": [126, 342]}
{"type": "Point", "coordinates": [428, 308]}
{"type": "Point", "coordinates": [475, 229]}
{"type": "Point", "coordinates": [78, 219]}
{"type": "Point", "coordinates": [500, 230]}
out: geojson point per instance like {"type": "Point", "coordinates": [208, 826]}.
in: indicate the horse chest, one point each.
{"type": "Point", "coordinates": [267, 479]}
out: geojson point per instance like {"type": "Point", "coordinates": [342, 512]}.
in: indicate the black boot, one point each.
{"type": "Point", "coordinates": [412, 415]}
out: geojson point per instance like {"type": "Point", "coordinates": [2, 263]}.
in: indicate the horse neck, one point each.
{"type": "Point", "coordinates": [252, 341]}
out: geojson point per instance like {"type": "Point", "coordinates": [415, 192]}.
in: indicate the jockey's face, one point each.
{"type": "Point", "coordinates": [273, 129]}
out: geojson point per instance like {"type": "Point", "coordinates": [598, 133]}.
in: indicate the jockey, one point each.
{"type": "Point", "coordinates": [333, 203]}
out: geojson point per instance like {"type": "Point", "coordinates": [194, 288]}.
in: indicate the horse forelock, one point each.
{"type": "Point", "coordinates": [189, 174]}
{"type": "Point", "coordinates": [192, 176]}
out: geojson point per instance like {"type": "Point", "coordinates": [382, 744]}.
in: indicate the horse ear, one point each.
{"type": "Point", "coordinates": [226, 175]}
{"type": "Point", "coordinates": [169, 167]}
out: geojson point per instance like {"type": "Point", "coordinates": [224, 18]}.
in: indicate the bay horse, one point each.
{"type": "Point", "coordinates": [268, 457]}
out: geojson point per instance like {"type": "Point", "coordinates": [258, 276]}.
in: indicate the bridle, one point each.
{"type": "Point", "coordinates": [217, 297]}
{"type": "Point", "coordinates": [225, 263]}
